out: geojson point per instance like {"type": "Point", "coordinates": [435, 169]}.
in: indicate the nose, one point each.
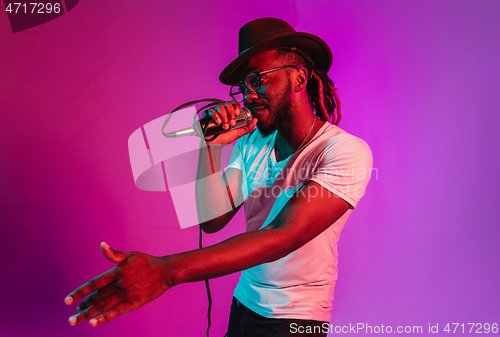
{"type": "Point", "coordinates": [249, 96]}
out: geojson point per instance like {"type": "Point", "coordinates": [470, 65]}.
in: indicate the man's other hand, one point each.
{"type": "Point", "coordinates": [136, 280]}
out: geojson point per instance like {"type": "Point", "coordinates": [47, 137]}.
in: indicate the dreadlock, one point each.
{"type": "Point", "coordinates": [320, 90]}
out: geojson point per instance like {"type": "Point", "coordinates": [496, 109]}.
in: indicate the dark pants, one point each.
{"type": "Point", "coordinates": [243, 322]}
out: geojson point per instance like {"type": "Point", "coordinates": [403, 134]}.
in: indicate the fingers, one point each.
{"type": "Point", "coordinates": [94, 310]}
{"type": "Point", "coordinates": [112, 255]}
{"type": "Point", "coordinates": [247, 129]}
{"type": "Point", "coordinates": [225, 114]}
{"type": "Point", "coordinates": [133, 283]}
{"type": "Point", "coordinates": [116, 311]}
{"type": "Point", "coordinates": [88, 288]}
{"type": "Point", "coordinates": [102, 280]}
{"type": "Point", "coordinates": [97, 296]}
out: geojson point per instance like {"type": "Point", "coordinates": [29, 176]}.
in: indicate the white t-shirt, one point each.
{"type": "Point", "coordinates": [301, 284]}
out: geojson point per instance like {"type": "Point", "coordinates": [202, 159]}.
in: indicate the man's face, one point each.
{"type": "Point", "coordinates": [271, 104]}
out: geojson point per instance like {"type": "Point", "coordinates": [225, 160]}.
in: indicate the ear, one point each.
{"type": "Point", "coordinates": [300, 79]}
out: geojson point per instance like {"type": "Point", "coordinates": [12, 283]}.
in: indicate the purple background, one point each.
{"type": "Point", "coordinates": [418, 81]}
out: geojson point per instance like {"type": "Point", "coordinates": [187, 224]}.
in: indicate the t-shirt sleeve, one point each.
{"type": "Point", "coordinates": [345, 168]}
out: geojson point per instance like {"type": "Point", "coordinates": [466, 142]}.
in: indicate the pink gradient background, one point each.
{"type": "Point", "coordinates": [418, 81]}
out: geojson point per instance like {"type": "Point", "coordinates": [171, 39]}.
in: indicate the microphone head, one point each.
{"type": "Point", "coordinates": [243, 119]}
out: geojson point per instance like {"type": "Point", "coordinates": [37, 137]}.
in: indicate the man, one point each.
{"type": "Point", "coordinates": [299, 177]}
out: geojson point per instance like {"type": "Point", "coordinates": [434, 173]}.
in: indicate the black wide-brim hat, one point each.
{"type": "Point", "coordinates": [268, 33]}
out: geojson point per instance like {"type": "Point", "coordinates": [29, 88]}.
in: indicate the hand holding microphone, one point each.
{"type": "Point", "coordinates": [231, 122]}
{"type": "Point", "coordinates": [221, 118]}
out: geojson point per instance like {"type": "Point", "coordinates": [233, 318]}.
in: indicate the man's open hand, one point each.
{"type": "Point", "coordinates": [136, 280]}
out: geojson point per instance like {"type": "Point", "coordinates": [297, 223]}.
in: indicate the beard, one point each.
{"type": "Point", "coordinates": [280, 115]}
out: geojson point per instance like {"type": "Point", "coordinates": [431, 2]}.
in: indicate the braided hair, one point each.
{"type": "Point", "coordinates": [320, 90]}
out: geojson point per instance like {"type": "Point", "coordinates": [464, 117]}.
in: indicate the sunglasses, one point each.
{"type": "Point", "coordinates": [252, 83]}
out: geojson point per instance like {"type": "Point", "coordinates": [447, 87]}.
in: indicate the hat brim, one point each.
{"type": "Point", "coordinates": [317, 49]}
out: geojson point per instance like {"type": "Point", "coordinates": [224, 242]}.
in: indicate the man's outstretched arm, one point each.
{"type": "Point", "coordinates": [140, 278]}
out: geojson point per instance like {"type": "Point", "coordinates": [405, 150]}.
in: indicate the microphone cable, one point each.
{"type": "Point", "coordinates": [213, 102]}
{"type": "Point", "coordinates": [209, 295]}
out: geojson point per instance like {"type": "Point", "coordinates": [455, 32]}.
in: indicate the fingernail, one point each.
{"type": "Point", "coordinates": [93, 322]}
{"type": "Point", "coordinates": [68, 300]}
{"type": "Point", "coordinates": [72, 320]}
{"type": "Point", "coordinates": [225, 126]}
{"type": "Point", "coordinates": [232, 122]}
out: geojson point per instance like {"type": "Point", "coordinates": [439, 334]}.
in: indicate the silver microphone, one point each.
{"type": "Point", "coordinates": [242, 120]}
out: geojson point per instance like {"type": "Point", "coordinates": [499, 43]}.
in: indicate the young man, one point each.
{"type": "Point", "coordinates": [299, 177]}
